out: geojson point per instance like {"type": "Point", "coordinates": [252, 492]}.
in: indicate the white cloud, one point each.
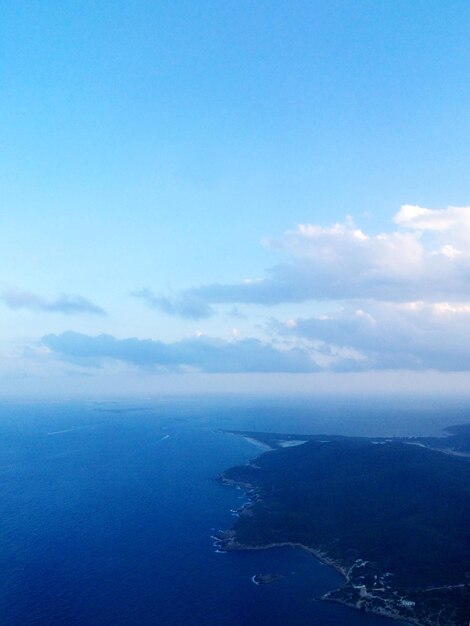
{"type": "Point", "coordinates": [451, 219]}
{"type": "Point", "coordinates": [400, 301]}
{"type": "Point", "coordinates": [342, 262]}
{"type": "Point", "coordinates": [410, 335]}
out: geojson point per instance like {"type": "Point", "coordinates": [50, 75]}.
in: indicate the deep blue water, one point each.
{"type": "Point", "coordinates": [107, 511]}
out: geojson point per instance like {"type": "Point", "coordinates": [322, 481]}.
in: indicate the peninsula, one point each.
{"type": "Point", "coordinates": [392, 515]}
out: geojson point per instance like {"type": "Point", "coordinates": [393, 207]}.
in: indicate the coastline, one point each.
{"type": "Point", "coordinates": [227, 542]}
{"type": "Point", "coordinates": [325, 560]}
{"type": "Point", "coordinates": [383, 585]}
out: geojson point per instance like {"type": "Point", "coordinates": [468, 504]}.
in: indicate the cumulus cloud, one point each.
{"type": "Point", "coordinates": [199, 353]}
{"type": "Point", "coordinates": [413, 335]}
{"type": "Point", "coordinates": [68, 304]}
{"type": "Point", "coordinates": [400, 298]}
{"type": "Point", "coordinates": [342, 262]}
{"type": "Point", "coordinates": [453, 220]}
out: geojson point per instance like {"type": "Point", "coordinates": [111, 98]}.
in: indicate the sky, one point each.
{"type": "Point", "coordinates": [243, 196]}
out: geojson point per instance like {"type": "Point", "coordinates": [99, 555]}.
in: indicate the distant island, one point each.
{"type": "Point", "coordinates": [392, 515]}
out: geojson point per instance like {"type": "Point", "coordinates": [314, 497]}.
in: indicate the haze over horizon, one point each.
{"type": "Point", "coordinates": [246, 197]}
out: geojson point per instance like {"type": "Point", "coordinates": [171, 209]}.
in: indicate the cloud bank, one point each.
{"type": "Point", "coordinates": [412, 336]}
{"type": "Point", "coordinates": [427, 257]}
{"type": "Point", "coordinates": [67, 304]}
{"type": "Point", "coordinates": [199, 353]}
{"type": "Point", "coordinates": [398, 299]}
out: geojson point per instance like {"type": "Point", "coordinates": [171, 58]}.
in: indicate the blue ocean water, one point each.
{"type": "Point", "coordinates": [107, 511]}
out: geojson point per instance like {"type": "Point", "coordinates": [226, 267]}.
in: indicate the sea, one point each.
{"type": "Point", "coordinates": [108, 509]}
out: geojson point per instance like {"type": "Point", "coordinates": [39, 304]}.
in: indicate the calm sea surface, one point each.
{"type": "Point", "coordinates": [107, 511]}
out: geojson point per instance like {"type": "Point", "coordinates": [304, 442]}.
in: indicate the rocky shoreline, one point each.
{"type": "Point", "coordinates": [227, 542]}
{"type": "Point", "coordinates": [350, 594]}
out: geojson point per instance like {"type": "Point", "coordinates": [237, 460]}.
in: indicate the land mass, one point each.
{"type": "Point", "coordinates": [266, 579]}
{"type": "Point", "coordinates": [392, 515]}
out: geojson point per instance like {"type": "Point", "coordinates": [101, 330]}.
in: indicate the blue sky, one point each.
{"type": "Point", "coordinates": [217, 187]}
